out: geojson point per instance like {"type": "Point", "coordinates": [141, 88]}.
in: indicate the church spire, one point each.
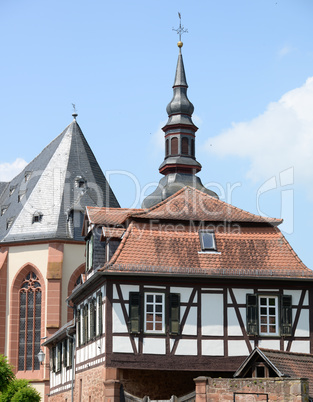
{"type": "Point", "coordinates": [180, 165]}
{"type": "Point", "coordinates": [180, 129]}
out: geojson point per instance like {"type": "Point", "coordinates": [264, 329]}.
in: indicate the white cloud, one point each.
{"type": "Point", "coordinates": [280, 138]}
{"type": "Point", "coordinates": [9, 170]}
{"type": "Point", "coordinates": [285, 50]}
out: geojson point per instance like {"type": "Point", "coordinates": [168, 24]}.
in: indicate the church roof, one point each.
{"type": "Point", "coordinates": [165, 239]}
{"type": "Point", "coordinates": [41, 201]}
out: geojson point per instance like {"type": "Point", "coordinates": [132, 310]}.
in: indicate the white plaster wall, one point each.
{"type": "Point", "coordinates": [187, 347]}
{"type": "Point", "coordinates": [233, 323]}
{"type": "Point", "coordinates": [122, 344]}
{"type": "Point", "coordinates": [119, 324]}
{"type": "Point", "coordinates": [213, 347]}
{"type": "Point", "coordinates": [184, 293]}
{"type": "Point", "coordinates": [270, 344]}
{"type": "Point", "coordinates": [73, 257]}
{"type": "Point", "coordinates": [190, 327]}
{"type": "Point", "coordinates": [299, 346]}
{"type": "Point", "coordinates": [240, 295]}
{"type": "Point", "coordinates": [237, 348]}
{"type": "Point", "coordinates": [126, 289]}
{"type": "Point", "coordinates": [154, 346]}
{"type": "Point", "coordinates": [303, 327]}
{"type": "Point", "coordinates": [295, 294]}
{"type": "Point", "coordinates": [212, 314]}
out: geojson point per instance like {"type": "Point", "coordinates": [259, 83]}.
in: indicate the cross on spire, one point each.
{"type": "Point", "coordinates": [181, 30]}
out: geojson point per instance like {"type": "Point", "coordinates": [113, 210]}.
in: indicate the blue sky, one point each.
{"type": "Point", "coordinates": [249, 67]}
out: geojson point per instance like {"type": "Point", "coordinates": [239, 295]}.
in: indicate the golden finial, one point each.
{"type": "Point", "coordinates": [181, 30]}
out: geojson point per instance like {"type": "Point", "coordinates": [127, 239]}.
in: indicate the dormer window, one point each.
{"type": "Point", "coordinates": [4, 209]}
{"type": "Point", "coordinates": [207, 240]}
{"type": "Point", "coordinates": [80, 182]}
{"type": "Point", "coordinates": [27, 176]}
{"type": "Point", "coordinates": [20, 196]}
{"type": "Point", "coordinates": [37, 217]}
{"type": "Point", "coordinates": [9, 223]}
{"type": "Point", "coordinates": [12, 189]}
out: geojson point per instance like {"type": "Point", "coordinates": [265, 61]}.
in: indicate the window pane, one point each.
{"type": "Point", "coordinates": [272, 311]}
{"type": "Point", "coordinates": [154, 312]}
{"type": "Point", "coordinates": [263, 310]}
{"type": "Point", "coordinates": [263, 301]}
{"type": "Point", "coordinates": [158, 298]}
{"type": "Point", "coordinates": [271, 302]}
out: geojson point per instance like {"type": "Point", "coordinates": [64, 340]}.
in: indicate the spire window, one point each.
{"type": "Point", "coordinates": [4, 209]}
{"type": "Point", "coordinates": [37, 217]}
{"type": "Point", "coordinates": [167, 145]}
{"type": "Point", "coordinates": [184, 146]}
{"type": "Point", "coordinates": [174, 146]}
{"type": "Point", "coordinates": [80, 182]}
{"type": "Point", "coordinates": [9, 223]}
{"type": "Point", "coordinates": [27, 176]}
{"type": "Point", "coordinates": [192, 147]}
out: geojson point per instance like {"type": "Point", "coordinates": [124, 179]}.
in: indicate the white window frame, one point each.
{"type": "Point", "coordinates": [202, 233]}
{"type": "Point", "coordinates": [267, 314]}
{"type": "Point", "coordinates": [154, 313]}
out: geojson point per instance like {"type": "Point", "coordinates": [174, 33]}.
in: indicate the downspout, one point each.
{"type": "Point", "coordinates": [74, 348]}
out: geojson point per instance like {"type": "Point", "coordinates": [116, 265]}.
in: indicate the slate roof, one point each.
{"type": "Point", "coordinates": [165, 239]}
{"type": "Point", "coordinates": [52, 190]}
{"type": "Point", "coordinates": [285, 364]}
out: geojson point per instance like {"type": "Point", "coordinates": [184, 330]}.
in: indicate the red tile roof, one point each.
{"type": "Point", "coordinates": [285, 364]}
{"type": "Point", "coordinates": [191, 204]}
{"type": "Point", "coordinates": [109, 216]}
{"type": "Point", "coordinates": [247, 251]}
{"type": "Point", "coordinates": [165, 238]}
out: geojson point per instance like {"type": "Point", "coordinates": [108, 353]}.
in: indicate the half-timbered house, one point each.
{"type": "Point", "coordinates": [188, 285]}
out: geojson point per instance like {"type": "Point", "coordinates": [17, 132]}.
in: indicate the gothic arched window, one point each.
{"type": "Point", "coordinates": [29, 323]}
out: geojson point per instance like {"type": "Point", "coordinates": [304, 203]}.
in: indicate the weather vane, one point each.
{"type": "Point", "coordinates": [74, 114]}
{"type": "Point", "coordinates": [181, 30]}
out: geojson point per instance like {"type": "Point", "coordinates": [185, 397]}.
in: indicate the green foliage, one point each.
{"type": "Point", "coordinates": [26, 394]}
{"type": "Point", "coordinates": [6, 373]}
{"type": "Point", "coordinates": [13, 387]}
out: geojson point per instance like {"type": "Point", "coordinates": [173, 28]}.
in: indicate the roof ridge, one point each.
{"type": "Point", "coordinates": [286, 352]}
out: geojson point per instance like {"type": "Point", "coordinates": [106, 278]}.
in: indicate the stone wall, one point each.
{"type": "Point", "coordinates": [251, 389]}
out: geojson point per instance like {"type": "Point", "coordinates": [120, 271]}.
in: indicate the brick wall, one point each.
{"type": "Point", "coordinates": [251, 389]}
{"type": "Point", "coordinates": [95, 384]}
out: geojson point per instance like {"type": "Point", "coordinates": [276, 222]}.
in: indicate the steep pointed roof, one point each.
{"type": "Point", "coordinates": [180, 164]}
{"type": "Point", "coordinates": [55, 187]}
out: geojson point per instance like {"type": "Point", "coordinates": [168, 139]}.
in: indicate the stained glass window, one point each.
{"type": "Point", "coordinates": [30, 323]}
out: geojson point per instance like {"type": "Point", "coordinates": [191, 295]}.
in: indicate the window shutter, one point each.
{"type": "Point", "coordinates": [85, 324]}
{"type": "Point", "coordinates": [286, 315]}
{"type": "Point", "coordinates": [92, 319]}
{"type": "Point", "coordinates": [78, 328]}
{"type": "Point", "coordinates": [70, 352]}
{"type": "Point", "coordinates": [174, 313]}
{"type": "Point", "coordinates": [65, 353]}
{"type": "Point", "coordinates": [134, 312]}
{"type": "Point", "coordinates": [252, 314]}
{"type": "Point", "coordinates": [100, 314]}
{"type": "Point", "coordinates": [59, 349]}
{"type": "Point", "coordinates": [52, 360]}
